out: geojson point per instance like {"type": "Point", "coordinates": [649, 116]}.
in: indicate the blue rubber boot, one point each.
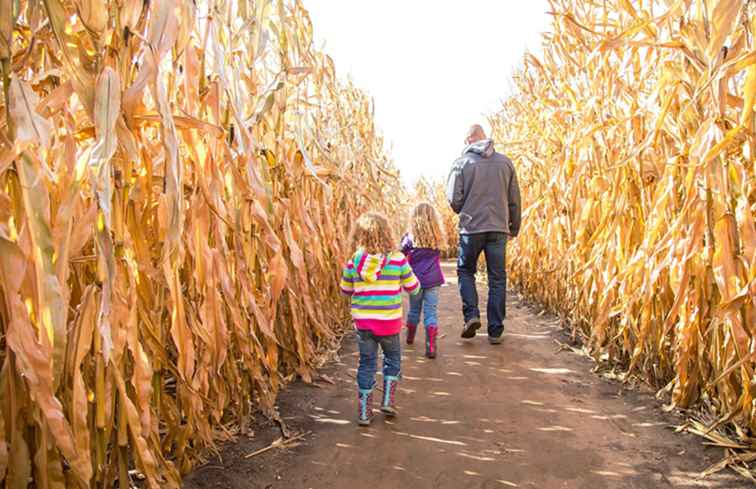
{"type": "Point", "coordinates": [365, 407]}
{"type": "Point", "coordinates": [388, 406]}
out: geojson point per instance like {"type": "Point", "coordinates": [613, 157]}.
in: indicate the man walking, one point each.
{"type": "Point", "coordinates": [483, 190]}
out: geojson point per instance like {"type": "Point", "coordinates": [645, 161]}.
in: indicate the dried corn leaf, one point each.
{"type": "Point", "coordinates": [639, 188]}
{"type": "Point", "coordinates": [160, 275]}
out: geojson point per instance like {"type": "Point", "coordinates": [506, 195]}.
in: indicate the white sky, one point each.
{"type": "Point", "coordinates": [433, 67]}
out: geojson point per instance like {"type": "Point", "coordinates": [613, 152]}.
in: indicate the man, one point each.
{"type": "Point", "coordinates": [483, 190]}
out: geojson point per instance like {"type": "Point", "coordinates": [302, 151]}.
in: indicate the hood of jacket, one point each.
{"type": "Point", "coordinates": [368, 266]}
{"type": "Point", "coordinates": [484, 148]}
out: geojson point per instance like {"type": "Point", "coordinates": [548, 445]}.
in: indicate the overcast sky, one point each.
{"type": "Point", "coordinates": [433, 67]}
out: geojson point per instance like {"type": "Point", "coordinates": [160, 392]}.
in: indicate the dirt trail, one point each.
{"type": "Point", "coordinates": [520, 414]}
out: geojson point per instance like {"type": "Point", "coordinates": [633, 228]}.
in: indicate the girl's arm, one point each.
{"type": "Point", "coordinates": [410, 284]}
{"type": "Point", "coordinates": [406, 244]}
{"type": "Point", "coordinates": [347, 280]}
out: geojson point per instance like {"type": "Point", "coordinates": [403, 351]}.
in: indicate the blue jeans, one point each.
{"type": "Point", "coordinates": [494, 245]}
{"type": "Point", "coordinates": [392, 357]}
{"type": "Point", "coordinates": [425, 302]}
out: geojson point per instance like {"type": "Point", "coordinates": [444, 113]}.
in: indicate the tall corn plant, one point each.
{"type": "Point", "coordinates": [174, 179]}
{"type": "Point", "coordinates": [633, 134]}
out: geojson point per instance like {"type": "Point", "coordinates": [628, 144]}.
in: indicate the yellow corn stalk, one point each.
{"type": "Point", "coordinates": [633, 135]}
{"type": "Point", "coordinates": [174, 177]}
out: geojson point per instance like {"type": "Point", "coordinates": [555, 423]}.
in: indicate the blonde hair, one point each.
{"type": "Point", "coordinates": [426, 228]}
{"type": "Point", "coordinates": [372, 233]}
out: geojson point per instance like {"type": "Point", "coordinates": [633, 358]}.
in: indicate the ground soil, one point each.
{"type": "Point", "coordinates": [521, 414]}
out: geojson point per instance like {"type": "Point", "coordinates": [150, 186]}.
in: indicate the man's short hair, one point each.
{"type": "Point", "coordinates": [476, 133]}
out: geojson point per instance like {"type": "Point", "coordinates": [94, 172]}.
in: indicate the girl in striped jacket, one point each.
{"type": "Point", "coordinates": [374, 278]}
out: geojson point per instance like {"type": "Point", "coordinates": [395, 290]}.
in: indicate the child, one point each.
{"type": "Point", "coordinates": [374, 278]}
{"type": "Point", "coordinates": [421, 245]}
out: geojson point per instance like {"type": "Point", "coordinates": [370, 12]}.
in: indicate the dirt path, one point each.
{"type": "Point", "coordinates": [519, 414]}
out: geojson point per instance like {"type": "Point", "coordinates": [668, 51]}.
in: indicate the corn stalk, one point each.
{"type": "Point", "coordinates": [174, 179]}
{"type": "Point", "coordinates": [633, 134]}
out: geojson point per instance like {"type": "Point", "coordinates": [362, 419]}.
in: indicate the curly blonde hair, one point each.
{"type": "Point", "coordinates": [372, 233]}
{"type": "Point", "coordinates": [426, 228]}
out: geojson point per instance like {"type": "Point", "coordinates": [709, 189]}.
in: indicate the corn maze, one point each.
{"type": "Point", "coordinates": [634, 137]}
{"type": "Point", "coordinates": [177, 180]}
{"type": "Point", "coordinates": [174, 177]}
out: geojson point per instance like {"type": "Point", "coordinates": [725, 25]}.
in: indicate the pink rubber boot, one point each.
{"type": "Point", "coordinates": [431, 340]}
{"type": "Point", "coordinates": [411, 330]}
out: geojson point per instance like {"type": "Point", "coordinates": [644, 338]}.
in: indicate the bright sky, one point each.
{"type": "Point", "coordinates": [433, 67]}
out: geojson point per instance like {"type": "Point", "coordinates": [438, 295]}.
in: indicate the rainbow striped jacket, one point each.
{"type": "Point", "coordinates": [375, 284]}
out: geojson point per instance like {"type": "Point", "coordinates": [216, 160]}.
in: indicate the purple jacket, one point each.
{"type": "Point", "coordinates": [425, 263]}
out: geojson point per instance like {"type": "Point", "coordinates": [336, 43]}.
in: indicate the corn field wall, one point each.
{"type": "Point", "coordinates": [633, 133]}
{"type": "Point", "coordinates": [175, 178]}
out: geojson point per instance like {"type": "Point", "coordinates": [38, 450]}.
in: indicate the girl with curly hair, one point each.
{"type": "Point", "coordinates": [374, 278]}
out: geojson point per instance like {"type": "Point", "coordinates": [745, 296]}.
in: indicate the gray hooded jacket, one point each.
{"type": "Point", "coordinates": [482, 188]}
